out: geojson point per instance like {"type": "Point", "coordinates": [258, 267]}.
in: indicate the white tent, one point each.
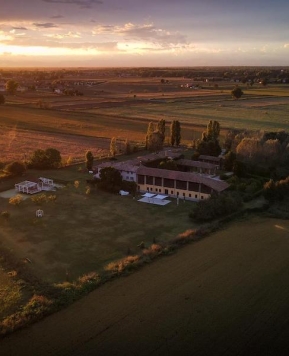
{"type": "Point", "coordinates": [148, 195]}
{"type": "Point", "coordinates": [154, 201]}
{"type": "Point", "coordinates": [160, 196]}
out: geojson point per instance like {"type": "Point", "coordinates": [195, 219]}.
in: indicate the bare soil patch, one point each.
{"type": "Point", "coordinates": [225, 295]}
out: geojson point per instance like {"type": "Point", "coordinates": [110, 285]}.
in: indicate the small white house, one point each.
{"type": "Point", "coordinates": [127, 170]}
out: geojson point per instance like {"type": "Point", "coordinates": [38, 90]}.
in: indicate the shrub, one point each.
{"type": "Point", "coordinates": [37, 307]}
{"type": "Point", "coordinates": [16, 200]}
{"type": "Point", "coordinates": [5, 215]}
{"type": "Point", "coordinates": [276, 190]}
{"type": "Point", "coordinates": [38, 304]}
{"type": "Point", "coordinates": [69, 161]}
{"type": "Point", "coordinates": [153, 251]}
{"type": "Point", "coordinates": [184, 237]}
{"type": "Point", "coordinates": [39, 199]}
{"type": "Point", "coordinates": [216, 206]}
{"type": "Point", "coordinates": [51, 197]}
{"type": "Point", "coordinates": [122, 265]}
{"type": "Point", "coordinates": [15, 168]}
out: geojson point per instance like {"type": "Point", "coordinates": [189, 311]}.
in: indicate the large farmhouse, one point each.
{"type": "Point", "coordinates": [196, 185]}
{"type": "Point", "coordinates": [186, 185]}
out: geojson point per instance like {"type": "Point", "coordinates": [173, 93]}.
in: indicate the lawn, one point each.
{"type": "Point", "coordinates": [82, 232]}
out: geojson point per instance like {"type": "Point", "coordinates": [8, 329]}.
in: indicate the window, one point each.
{"type": "Point", "coordinates": [190, 195]}
{"type": "Point", "coordinates": [156, 189]}
{"type": "Point", "coordinates": [196, 196]}
{"type": "Point", "coordinates": [158, 181]}
{"type": "Point", "coordinates": [169, 183]}
{"type": "Point", "coordinates": [151, 189]}
{"type": "Point", "coordinates": [160, 190]}
{"type": "Point", "coordinates": [194, 187]}
{"type": "Point", "coordinates": [181, 184]}
{"type": "Point", "coordinates": [149, 180]}
{"type": "Point", "coordinates": [140, 179]}
{"type": "Point", "coordinates": [184, 194]}
{"type": "Point", "coordinates": [172, 192]}
{"type": "Point", "coordinates": [202, 197]}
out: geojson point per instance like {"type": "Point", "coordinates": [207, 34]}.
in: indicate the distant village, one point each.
{"type": "Point", "coordinates": [70, 82]}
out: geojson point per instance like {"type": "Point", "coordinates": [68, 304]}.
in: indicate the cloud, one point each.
{"type": "Point", "coordinates": [286, 45]}
{"type": "Point", "coordinates": [66, 41]}
{"type": "Point", "coordinates": [57, 17]}
{"type": "Point", "coordinates": [20, 28]}
{"type": "Point", "coordinates": [65, 35]}
{"type": "Point", "coordinates": [45, 25]}
{"type": "Point", "coordinates": [5, 38]}
{"type": "Point", "coordinates": [82, 3]}
{"type": "Point", "coordinates": [144, 33]}
{"type": "Point", "coordinates": [100, 46]}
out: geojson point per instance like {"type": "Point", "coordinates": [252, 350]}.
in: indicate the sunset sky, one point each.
{"type": "Point", "coordinates": [143, 32]}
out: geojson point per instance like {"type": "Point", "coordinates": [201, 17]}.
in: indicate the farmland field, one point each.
{"type": "Point", "coordinates": [225, 295]}
{"type": "Point", "coordinates": [123, 107]}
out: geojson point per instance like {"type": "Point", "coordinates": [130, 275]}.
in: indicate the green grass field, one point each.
{"type": "Point", "coordinates": [80, 233]}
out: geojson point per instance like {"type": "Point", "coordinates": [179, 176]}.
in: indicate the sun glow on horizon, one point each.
{"type": "Point", "coordinates": [46, 51]}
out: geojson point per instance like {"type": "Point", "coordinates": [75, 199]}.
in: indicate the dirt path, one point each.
{"type": "Point", "coordinates": [225, 295]}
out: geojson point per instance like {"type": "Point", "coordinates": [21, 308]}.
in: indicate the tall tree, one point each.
{"type": "Point", "coordinates": [162, 128]}
{"type": "Point", "coordinates": [213, 131]}
{"type": "Point", "coordinates": [113, 148]}
{"type": "Point", "coordinates": [155, 142]}
{"type": "Point", "coordinates": [127, 147]}
{"type": "Point", "coordinates": [89, 160]}
{"type": "Point", "coordinates": [209, 145]}
{"type": "Point", "coordinates": [150, 130]}
{"type": "Point", "coordinates": [11, 86]}
{"type": "Point", "coordinates": [175, 137]}
{"type": "Point", "coordinates": [178, 133]}
{"type": "Point", "coordinates": [173, 133]}
{"type": "Point", "coordinates": [2, 99]}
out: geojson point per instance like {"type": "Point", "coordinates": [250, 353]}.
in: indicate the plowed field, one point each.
{"type": "Point", "coordinates": [225, 295]}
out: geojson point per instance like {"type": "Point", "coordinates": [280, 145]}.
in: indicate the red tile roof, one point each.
{"type": "Point", "coordinates": [210, 158]}
{"type": "Point", "coordinates": [197, 164]}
